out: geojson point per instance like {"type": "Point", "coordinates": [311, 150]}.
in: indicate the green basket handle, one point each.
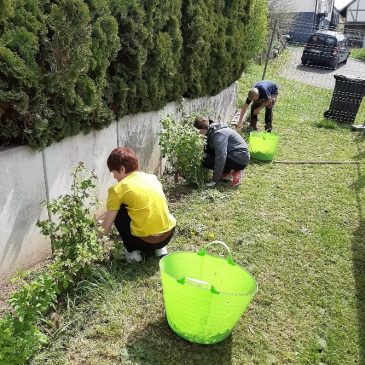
{"type": "Point", "coordinates": [199, 283]}
{"type": "Point", "coordinates": [203, 251]}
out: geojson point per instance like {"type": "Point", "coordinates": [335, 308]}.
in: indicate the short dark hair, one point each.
{"type": "Point", "coordinates": [201, 123]}
{"type": "Point", "coordinates": [122, 156]}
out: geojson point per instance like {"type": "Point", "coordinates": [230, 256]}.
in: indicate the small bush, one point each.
{"type": "Point", "coordinates": [76, 249]}
{"type": "Point", "coordinates": [183, 146]}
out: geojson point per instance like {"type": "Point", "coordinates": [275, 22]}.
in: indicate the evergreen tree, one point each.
{"type": "Point", "coordinates": [71, 65]}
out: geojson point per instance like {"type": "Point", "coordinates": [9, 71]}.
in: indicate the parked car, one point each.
{"type": "Point", "coordinates": [326, 48]}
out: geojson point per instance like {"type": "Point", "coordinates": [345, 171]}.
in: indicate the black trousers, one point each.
{"type": "Point", "coordinates": [268, 113]}
{"type": "Point", "coordinates": [122, 223]}
{"type": "Point", "coordinates": [231, 161]}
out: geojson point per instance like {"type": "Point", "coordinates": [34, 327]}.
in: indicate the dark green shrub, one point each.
{"type": "Point", "coordinates": [83, 42]}
{"type": "Point", "coordinates": [23, 110]}
{"type": "Point", "coordinates": [220, 37]}
{"type": "Point", "coordinates": [72, 65]}
{"type": "Point", "coordinates": [147, 72]}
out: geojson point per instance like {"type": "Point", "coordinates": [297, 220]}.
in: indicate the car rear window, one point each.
{"type": "Point", "coordinates": [322, 40]}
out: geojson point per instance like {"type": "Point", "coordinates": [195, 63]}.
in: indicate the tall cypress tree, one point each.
{"type": "Point", "coordinates": [72, 65]}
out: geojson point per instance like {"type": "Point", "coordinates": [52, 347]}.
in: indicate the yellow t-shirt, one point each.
{"type": "Point", "coordinates": [146, 203]}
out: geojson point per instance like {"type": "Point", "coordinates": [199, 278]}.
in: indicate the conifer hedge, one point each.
{"type": "Point", "coordinates": [72, 65]}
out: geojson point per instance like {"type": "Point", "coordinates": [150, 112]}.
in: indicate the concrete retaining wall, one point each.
{"type": "Point", "coordinates": [29, 177]}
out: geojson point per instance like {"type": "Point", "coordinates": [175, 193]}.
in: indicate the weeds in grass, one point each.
{"type": "Point", "coordinates": [326, 123]}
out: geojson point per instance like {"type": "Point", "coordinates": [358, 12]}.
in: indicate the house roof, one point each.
{"type": "Point", "coordinates": [341, 5]}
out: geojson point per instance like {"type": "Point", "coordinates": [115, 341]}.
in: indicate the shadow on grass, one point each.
{"type": "Point", "coordinates": [156, 344]}
{"type": "Point", "coordinates": [312, 68]}
{"type": "Point", "coordinates": [259, 162]}
{"type": "Point", "coordinates": [358, 253]}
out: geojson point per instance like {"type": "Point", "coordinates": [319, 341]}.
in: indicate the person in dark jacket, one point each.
{"type": "Point", "coordinates": [263, 96]}
{"type": "Point", "coordinates": [226, 151]}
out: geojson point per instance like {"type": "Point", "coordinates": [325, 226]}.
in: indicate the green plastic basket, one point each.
{"type": "Point", "coordinates": [263, 145]}
{"type": "Point", "coordinates": [204, 295]}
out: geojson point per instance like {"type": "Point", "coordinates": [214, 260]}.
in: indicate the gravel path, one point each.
{"type": "Point", "coordinates": [320, 76]}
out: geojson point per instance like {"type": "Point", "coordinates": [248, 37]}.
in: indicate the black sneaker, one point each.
{"type": "Point", "coordinates": [251, 129]}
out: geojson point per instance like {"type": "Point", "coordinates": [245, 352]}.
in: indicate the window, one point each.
{"type": "Point", "coordinates": [322, 40]}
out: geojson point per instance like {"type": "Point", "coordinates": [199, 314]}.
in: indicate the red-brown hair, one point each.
{"type": "Point", "coordinates": [122, 156]}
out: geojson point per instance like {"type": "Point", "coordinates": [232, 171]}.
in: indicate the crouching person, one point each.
{"type": "Point", "coordinates": [226, 151]}
{"type": "Point", "coordinates": [138, 208]}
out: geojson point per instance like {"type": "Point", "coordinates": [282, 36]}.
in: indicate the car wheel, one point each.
{"type": "Point", "coordinates": [345, 60]}
{"type": "Point", "coordinates": [304, 62]}
{"type": "Point", "coordinates": [333, 65]}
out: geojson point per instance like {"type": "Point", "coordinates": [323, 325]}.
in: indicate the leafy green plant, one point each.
{"type": "Point", "coordinates": [74, 232]}
{"type": "Point", "coordinates": [76, 248]}
{"type": "Point", "coordinates": [18, 340]}
{"type": "Point", "coordinates": [183, 146]}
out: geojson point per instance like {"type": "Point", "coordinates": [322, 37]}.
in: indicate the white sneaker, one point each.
{"type": "Point", "coordinates": [161, 252]}
{"type": "Point", "coordinates": [134, 256]}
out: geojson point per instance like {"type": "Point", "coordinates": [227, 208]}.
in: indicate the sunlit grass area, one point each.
{"type": "Point", "coordinates": [298, 228]}
{"type": "Point", "coordinates": [358, 53]}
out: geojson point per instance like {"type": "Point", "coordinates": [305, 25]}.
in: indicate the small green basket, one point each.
{"type": "Point", "coordinates": [205, 295]}
{"type": "Point", "coordinates": [263, 145]}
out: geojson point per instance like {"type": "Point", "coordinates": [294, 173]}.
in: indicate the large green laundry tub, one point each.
{"type": "Point", "coordinates": [263, 145]}
{"type": "Point", "coordinates": [205, 295]}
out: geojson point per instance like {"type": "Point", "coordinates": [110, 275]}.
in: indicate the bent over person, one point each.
{"type": "Point", "coordinates": [226, 151]}
{"type": "Point", "coordinates": [263, 96]}
{"type": "Point", "coordinates": [138, 207]}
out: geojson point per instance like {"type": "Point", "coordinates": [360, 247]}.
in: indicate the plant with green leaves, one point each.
{"type": "Point", "coordinates": [18, 340]}
{"type": "Point", "coordinates": [183, 146]}
{"type": "Point", "coordinates": [76, 248]}
{"type": "Point", "coordinates": [74, 232]}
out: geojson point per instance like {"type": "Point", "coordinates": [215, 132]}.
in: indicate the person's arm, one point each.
{"type": "Point", "coordinates": [243, 112]}
{"type": "Point", "coordinates": [106, 221]}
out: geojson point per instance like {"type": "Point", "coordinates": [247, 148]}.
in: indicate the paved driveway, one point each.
{"type": "Point", "coordinates": [319, 76]}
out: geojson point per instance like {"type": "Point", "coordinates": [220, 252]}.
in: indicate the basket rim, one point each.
{"type": "Point", "coordinates": [209, 289]}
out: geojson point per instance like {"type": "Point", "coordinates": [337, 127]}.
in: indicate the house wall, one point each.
{"type": "Point", "coordinates": [305, 15]}
{"type": "Point", "coordinates": [305, 6]}
{"type": "Point", "coordinates": [356, 12]}
{"type": "Point", "coordinates": [30, 177]}
{"type": "Point", "coordinates": [302, 28]}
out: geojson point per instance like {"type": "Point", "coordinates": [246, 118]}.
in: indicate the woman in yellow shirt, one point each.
{"type": "Point", "coordinates": [138, 207]}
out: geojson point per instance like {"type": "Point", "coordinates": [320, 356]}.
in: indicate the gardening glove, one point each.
{"type": "Point", "coordinates": [210, 184]}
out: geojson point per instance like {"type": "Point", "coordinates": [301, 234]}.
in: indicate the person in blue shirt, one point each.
{"type": "Point", "coordinates": [262, 95]}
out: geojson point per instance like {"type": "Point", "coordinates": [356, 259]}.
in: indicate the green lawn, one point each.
{"type": "Point", "coordinates": [299, 229]}
{"type": "Point", "coordinates": [358, 53]}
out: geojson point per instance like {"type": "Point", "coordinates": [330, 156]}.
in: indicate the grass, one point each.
{"type": "Point", "coordinates": [299, 229]}
{"type": "Point", "coordinates": [358, 53]}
